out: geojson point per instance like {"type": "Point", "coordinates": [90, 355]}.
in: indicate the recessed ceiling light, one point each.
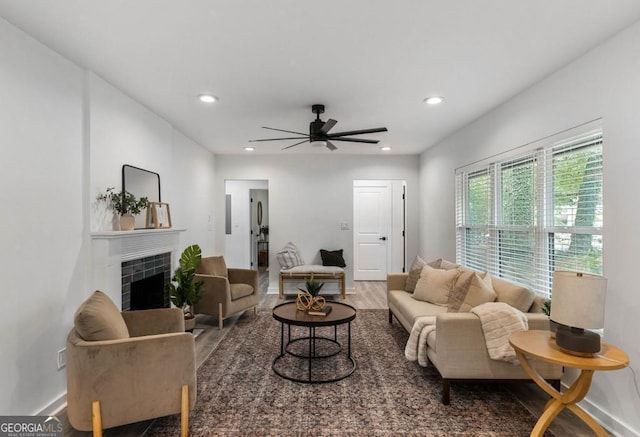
{"type": "Point", "coordinates": [249, 149]}
{"type": "Point", "coordinates": [207, 98]}
{"type": "Point", "coordinates": [385, 148]}
{"type": "Point", "coordinates": [434, 100]}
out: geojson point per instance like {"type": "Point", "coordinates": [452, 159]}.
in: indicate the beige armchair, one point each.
{"type": "Point", "coordinates": [227, 291]}
{"type": "Point", "coordinates": [128, 367]}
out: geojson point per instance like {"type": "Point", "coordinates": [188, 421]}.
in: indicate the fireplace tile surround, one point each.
{"type": "Point", "coordinates": [111, 249]}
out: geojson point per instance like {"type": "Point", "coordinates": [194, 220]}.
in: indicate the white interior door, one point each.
{"type": "Point", "coordinates": [371, 228]}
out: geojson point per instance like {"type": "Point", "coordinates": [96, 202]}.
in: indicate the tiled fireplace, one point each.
{"type": "Point", "coordinates": [126, 260]}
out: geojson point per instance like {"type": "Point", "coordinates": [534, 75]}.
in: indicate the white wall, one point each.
{"type": "Point", "coordinates": [603, 83]}
{"type": "Point", "coordinates": [310, 195]}
{"type": "Point", "coordinates": [65, 134]}
{"type": "Point", "coordinates": [44, 252]}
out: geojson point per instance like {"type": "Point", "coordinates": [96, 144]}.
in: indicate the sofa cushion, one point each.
{"type": "Point", "coordinates": [99, 319]}
{"type": "Point", "coordinates": [213, 266]}
{"type": "Point", "coordinates": [239, 291]}
{"type": "Point", "coordinates": [435, 285]}
{"type": "Point", "coordinates": [332, 258]}
{"type": "Point", "coordinates": [518, 297]}
{"type": "Point", "coordinates": [480, 291]}
{"type": "Point", "coordinates": [411, 308]}
{"type": "Point", "coordinates": [289, 256]}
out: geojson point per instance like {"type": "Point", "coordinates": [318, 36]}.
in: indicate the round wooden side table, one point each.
{"type": "Point", "coordinates": [539, 345]}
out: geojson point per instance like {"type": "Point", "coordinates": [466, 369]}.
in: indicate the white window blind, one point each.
{"type": "Point", "coordinates": [524, 215]}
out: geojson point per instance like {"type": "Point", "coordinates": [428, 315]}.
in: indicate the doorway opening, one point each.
{"type": "Point", "coordinates": [247, 224]}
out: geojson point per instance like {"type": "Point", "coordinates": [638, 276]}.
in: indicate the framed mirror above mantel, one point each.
{"type": "Point", "coordinates": [141, 183]}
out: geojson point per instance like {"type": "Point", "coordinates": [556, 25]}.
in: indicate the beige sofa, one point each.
{"type": "Point", "coordinates": [457, 347]}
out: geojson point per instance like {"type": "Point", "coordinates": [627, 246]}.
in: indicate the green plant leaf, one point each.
{"type": "Point", "coordinates": [191, 257]}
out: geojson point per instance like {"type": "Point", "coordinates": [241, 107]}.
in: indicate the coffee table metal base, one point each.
{"type": "Point", "coordinates": [311, 355]}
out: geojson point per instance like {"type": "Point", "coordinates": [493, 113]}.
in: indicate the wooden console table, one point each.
{"type": "Point", "coordinates": [539, 345]}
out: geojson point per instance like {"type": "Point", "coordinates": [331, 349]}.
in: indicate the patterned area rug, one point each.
{"type": "Point", "coordinates": [240, 395]}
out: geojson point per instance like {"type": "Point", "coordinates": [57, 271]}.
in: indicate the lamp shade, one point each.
{"type": "Point", "coordinates": [578, 299]}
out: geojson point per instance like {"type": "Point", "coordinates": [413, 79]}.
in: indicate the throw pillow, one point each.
{"type": "Point", "coordinates": [480, 291]}
{"type": "Point", "coordinates": [435, 285]}
{"type": "Point", "coordinates": [448, 265]}
{"type": "Point", "coordinates": [416, 269]}
{"type": "Point", "coordinates": [460, 290]}
{"type": "Point", "coordinates": [332, 258]}
{"type": "Point", "coordinates": [289, 257]}
{"type": "Point", "coordinates": [213, 266]}
{"type": "Point", "coordinates": [414, 274]}
{"type": "Point", "coordinates": [99, 319]}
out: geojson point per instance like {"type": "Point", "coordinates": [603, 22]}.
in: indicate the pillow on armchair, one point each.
{"type": "Point", "coordinates": [99, 319]}
{"type": "Point", "coordinates": [213, 266]}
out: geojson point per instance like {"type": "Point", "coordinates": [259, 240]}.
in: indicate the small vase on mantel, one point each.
{"type": "Point", "coordinates": [127, 222]}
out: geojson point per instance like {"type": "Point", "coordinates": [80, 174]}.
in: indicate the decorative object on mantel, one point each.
{"type": "Point", "coordinates": [308, 299]}
{"type": "Point", "coordinates": [186, 292]}
{"type": "Point", "coordinates": [125, 204]}
{"type": "Point", "coordinates": [159, 215]}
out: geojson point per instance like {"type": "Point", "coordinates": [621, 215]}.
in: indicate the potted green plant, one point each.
{"type": "Point", "coordinates": [183, 290]}
{"type": "Point", "coordinates": [553, 326]}
{"type": "Point", "coordinates": [125, 204]}
{"type": "Point", "coordinates": [313, 286]}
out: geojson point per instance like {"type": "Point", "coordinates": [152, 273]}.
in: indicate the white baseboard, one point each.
{"type": "Point", "coordinates": [612, 424]}
{"type": "Point", "coordinates": [55, 407]}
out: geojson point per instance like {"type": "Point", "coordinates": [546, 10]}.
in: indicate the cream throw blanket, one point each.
{"type": "Point", "coordinates": [416, 347]}
{"type": "Point", "coordinates": [499, 320]}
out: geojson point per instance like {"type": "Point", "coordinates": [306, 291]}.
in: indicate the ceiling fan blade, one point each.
{"type": "Point", "coordinates": [331, 146]}
{"type": "Point", "coordinates": [277, 139]}
{"type": "Point", "coordinates": [358, 132]}
{"type": "Point", "coordinates": [296, 144]}
{"type": "Point", "coordinates": [327, 126]}
{"type": "Point", "coordinates": [355, 140]}
{"type": "Point", "coordinates": [282, 130]}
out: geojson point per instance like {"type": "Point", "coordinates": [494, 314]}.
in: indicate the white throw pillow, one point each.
{"type": "Point", "coordinates": [435, 285]}
{"type": "Point", "coordinates": [289, 256]}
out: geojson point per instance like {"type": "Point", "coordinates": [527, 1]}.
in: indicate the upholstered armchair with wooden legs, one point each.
{"type": "Point", "coordinates": [128, 367]}
{"type": "Point", "coordinates": [227, 291]}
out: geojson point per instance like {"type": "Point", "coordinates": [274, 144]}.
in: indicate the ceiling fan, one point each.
{"type": "Point", "coordinates": [319, 133]}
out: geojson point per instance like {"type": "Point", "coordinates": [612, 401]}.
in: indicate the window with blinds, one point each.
{"type": "Point", "coordinates": [524, 215]}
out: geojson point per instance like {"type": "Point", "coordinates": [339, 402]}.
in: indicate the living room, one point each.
{"type": "Point", "coordinates": [67, 130]}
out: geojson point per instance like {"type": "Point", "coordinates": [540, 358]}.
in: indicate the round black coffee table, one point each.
{"type": "Point", "coordinates": [288, 314]}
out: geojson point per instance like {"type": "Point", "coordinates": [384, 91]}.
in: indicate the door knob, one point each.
{"type": "Point", "coordinates": [382, 238]}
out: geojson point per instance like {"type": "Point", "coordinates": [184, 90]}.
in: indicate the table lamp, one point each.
{"type": "Point", "coordinates": [578, 304]}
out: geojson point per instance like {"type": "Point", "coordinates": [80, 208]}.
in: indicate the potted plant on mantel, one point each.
{"type": "Point", "coordinates": [125, 204]}
{"type": "Point", "coordinates": [185, 292]}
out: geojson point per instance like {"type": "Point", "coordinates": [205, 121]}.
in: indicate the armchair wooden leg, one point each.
{"type": "Point", "coordinates": [220, 320]}
{"type": "Point", "coordinates": [255, 311]}
{"type": "Point", "coordinates": [96, 419]}
{"type": "Point", "coordinates": [184, 412]}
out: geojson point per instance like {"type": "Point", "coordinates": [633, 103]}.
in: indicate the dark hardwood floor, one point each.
{"type": "Point", "coordinates": [367, 295]}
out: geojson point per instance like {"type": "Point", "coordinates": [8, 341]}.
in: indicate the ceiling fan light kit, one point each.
{"type": "Point", "coordinates": [319, 133]}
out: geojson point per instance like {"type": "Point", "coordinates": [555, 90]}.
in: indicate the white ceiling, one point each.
{"type": "Point", "coordinates": [371, 62]}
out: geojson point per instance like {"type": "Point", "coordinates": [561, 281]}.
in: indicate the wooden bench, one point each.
{"type": "Point", "coordinates": [321, 273]}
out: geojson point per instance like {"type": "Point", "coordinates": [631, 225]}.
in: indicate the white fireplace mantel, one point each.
{"type": "Point", "coordinates": [111, 248]}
